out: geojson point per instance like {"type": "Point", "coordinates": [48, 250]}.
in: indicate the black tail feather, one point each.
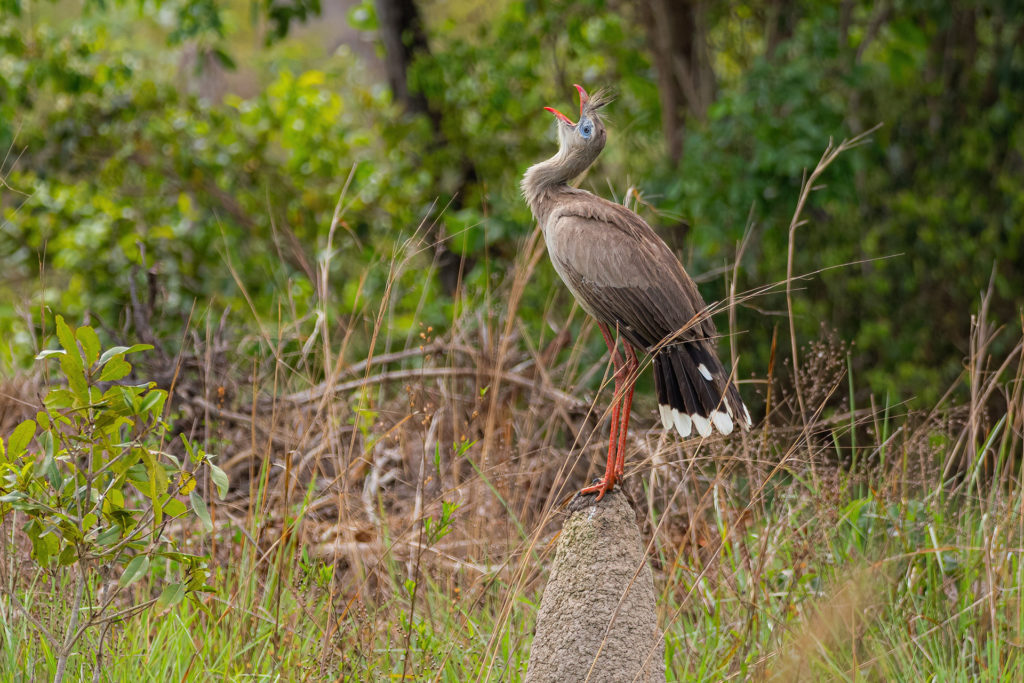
{"type": "Point", "coordinates": [695, 392]}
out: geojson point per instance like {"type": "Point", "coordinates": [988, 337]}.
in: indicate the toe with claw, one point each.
{"type": "Point", "coordinates": [600, 487]}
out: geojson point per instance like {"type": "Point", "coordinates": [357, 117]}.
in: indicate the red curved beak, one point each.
{"type": "Point", "coordinates": [560, 115]}
{"type": "Point", "coordinates": [584, 97]}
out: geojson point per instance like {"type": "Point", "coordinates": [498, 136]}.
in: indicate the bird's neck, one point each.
{"type": "Point", "coordinates": [542, 181]}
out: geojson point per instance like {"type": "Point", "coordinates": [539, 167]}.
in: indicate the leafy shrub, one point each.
{"type": "Point", "coordinates": [93, 487]}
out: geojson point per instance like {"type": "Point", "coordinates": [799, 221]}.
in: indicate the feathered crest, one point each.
{"type": "Point", "coordinates": [599, 99]}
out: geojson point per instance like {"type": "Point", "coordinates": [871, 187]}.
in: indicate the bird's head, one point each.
{"type": "Point", "coordinates": [579, 145]}
{"type": "Point", "coordinates": [586, 137]}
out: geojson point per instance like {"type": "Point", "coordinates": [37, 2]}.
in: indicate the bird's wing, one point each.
{"type": "Point", "coordinates": [624, 274]}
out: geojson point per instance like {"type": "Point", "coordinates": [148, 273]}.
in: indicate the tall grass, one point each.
{"type": "Point", "coordinates": [396, 499]}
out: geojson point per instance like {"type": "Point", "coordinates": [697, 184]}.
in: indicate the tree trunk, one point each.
{"type": "Point", "coordinates": [781, 20]}
{"type": "Point", "coordinates": [404, 38]}
{"type": "Point", "coordinates": [677, 36]}
{"type": "Point", "coordinates": [401, 31]}
{"type": "Point", "coordinates": [597, 618]}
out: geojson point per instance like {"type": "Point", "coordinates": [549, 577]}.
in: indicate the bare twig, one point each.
{"type": "Point", "coordinates": [830, 154]}
{"type": "Point", "coordinates": [70, 634]}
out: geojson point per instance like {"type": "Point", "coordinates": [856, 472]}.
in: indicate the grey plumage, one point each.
{"type": "Point", "coordinates": [626, 277]}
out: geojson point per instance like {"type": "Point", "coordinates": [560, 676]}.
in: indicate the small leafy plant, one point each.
{"type": "Point", "coordinates": [91, 486]}
{"type": "Point", "coordinates": [436, 529]}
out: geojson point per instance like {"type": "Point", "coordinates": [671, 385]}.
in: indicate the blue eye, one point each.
{"type": "Point", "coordinates": [586, 129]}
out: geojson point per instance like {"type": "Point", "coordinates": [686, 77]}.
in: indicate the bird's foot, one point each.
{"type": "Point", "coordinates": [600, 487]}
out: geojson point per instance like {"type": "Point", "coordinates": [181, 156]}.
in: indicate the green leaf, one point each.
{"type": "Point", "coordinates": [135, 570]}
{"type": "Point", "coordinates": [114, 500]}
{"type": "Point", "coordinates": [109, 536]}
{"type": "Point", "coordinates": [90, 343]}
{"type": "Point", "coordinates": [153, 402]}
{"type": "Point", "coordinates": [58, 399]}
{"type": "Point", "coordinates": [67, 339]}
{"type": "Point", "coordinates": [135, 348]}
{"type": "Point", "coordinates": [189, 448]}
{"type": "Point", "coordinates": [18, 442]}
{"type": "Point", "coordinates": [71, 362]}
{"type": "Point", "coordinates": [127, 459]}
{"type": "Point", "coordinates": [220, 479]}
{"type": "Point", "coordinates": [177, 556]}
{"type": "Point", "coordinates": [46, 441]}
{"type": "Point", "coordinates": [129, 398]}
{"type": "Point", "coordinates": [69, 531]}
{"type": "Point", "coordinates": [199, 506]}
{"type": "Point", "coordinates": [49, 469]}
{"type": "Point", "coordinates": [197, 576]}
{"type": "Point", "coordinates": [116, 369]}
{"type": "Point", "coordinates": [111, 352]}
{"type": "Point", "coordinates": [71, 366]}
{"type": "Point", "coordinates": [44, 544]}
{"type": "Point", "coordinates": [119, 350]}
{"type": "Point", "coordinates": [174, 508]}
{"type": "Point", "coordinates": [68, 556]}
{"type": "Point", "coordinates": [50, 352]}
{"type": "Point", "coordinates": [137, 473]}
{"type": "Point", "coordinates": [171, 596]}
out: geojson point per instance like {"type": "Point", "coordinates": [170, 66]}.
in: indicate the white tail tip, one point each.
{"type": "Point", "coordinates": [702, 424]}
{"type": "Point", "coordinates": [683, 423]}
{"type": "Point", "coordinates": [722, 422]}
{"type": "Point", "coordinates": [666, 416]}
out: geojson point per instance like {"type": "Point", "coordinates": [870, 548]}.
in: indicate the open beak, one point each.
{"type": "Point", "coordinates": [560, 115]}
{"type": "Point", "coordinates": [584, 98]}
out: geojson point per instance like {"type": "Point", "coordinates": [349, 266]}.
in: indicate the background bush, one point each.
{"type": "Point", "coordinates": [123, 184]}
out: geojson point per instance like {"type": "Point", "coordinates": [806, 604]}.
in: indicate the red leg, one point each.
{"type": "Point", "coordinates": [609, 340]}
{"type": "Point", "coordinates": [607, 482]}
{"type": "Point", "coordinates": [630, 371]}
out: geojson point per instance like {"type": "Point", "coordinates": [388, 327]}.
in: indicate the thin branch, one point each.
{"type": "Point", "coordinates": [72, 634]}
{"type": "Point", "coordinates": [418, 373]}
{"type": "Point", "coordinates": [830, 154]}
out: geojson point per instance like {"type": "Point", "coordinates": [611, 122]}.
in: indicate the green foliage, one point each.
{"type": "Point", "coordinates": [436, 529]}
{"type": "Point", "coordinates": [882, 587]}
{"type": "Point", "coordinates": [924, 213]}
{"type": "Point", "coordinates": [129, 182]}
{"type": "Point", "coordinates": [91, 484]}
{"type": "Point", "coordinates": [124, 187]}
